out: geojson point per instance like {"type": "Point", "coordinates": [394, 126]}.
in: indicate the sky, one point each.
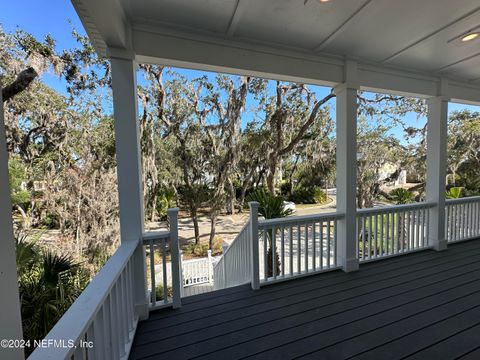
{"type": "Point", "coordinates": [58, 18]}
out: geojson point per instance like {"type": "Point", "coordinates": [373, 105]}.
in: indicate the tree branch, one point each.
{"type": "Point", "coordinates": [23, 81]}
{"type": "Point", "coordinates": [306, 125]}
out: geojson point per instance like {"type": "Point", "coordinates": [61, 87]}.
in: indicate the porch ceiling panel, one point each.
{"type": "Point", "coordinates": [293, 23]}
{"type": "Point", "coordinates": [205, 15]}
{"type": "Point", "coordinates": [416, 37]}
{"type": "Point", "coordinates": [465, 68]}
{"type": "Point", "coordinates": [385, 29]}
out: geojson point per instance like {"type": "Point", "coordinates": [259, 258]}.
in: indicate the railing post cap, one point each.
{"type": "Point", "coordinates": [173, 211]}
{"type": "Point", "coordinates": [254, 204]}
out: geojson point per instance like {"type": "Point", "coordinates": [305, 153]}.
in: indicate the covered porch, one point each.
{"type": "Point", "coordinates": [341, 302]}
{"type": "Point", "coordinates": [421, 306]}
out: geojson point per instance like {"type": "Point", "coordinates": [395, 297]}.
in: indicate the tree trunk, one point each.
{"type": "Point", "coordinates": [260, 177]}
{"type": "Point", "coordinates": [154, 208]}
{"type": "Point", "coordinates": [194, 215]}
{"type": "Point", "coordinates": [213, 229]}
{"type": "Point", "coordinates": [241, 200]}
{"type": "Point", "coordinates": [231, 197]}
{"type": "Point", "coordinates": [23, 81]}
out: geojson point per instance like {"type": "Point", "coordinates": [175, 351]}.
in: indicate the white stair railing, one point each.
{"type": "Point", "coordinates": [392, 230]}
{"type": "Point", "coordinates": [462, 218]}
{"type": "Point", "coordinates": [234, 267]}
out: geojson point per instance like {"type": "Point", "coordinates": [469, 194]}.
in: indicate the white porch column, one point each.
{"type": "Point", "coordinates": [11, 321]}
{"type": "Point", "coordinates": [129, 174]}
{"type": "Point", "coordinates": [347, 171]}
{"type": "Point", "coordinates": [436, 169]}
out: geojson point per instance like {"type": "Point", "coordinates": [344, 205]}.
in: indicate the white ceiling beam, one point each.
{"type": "Point", "coordinates": [430, 35]}
{"type": "Point", "coordinates": [325, 42]}
{"type": "Point", "coordinates": [235, 57]}
{"type": "Point", "coordinates": [217, 54]}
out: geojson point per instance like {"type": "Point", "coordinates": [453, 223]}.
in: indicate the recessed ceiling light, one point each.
{"type": "Point", "coordinates": [324, 1]}
{"type": "Point", "coordinates": [470, 37]}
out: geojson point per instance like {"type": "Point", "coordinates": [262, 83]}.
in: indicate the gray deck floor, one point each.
{"type": "Point", "coordinates": [420, 306]}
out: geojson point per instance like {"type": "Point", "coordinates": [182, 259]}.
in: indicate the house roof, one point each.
{"type": "Point", "coordinates": [406, 46]}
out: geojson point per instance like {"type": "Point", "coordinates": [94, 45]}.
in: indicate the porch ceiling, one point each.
{"type": "Point", "coordinates": [419, 39]}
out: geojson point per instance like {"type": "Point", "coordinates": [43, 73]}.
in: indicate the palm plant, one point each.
{"type": "Point", "coordinates": [402, 196]}
{"type": "Point", "coordinates": [454, 193]}
{"type": "Point", "coordinates": [48, 285]}
{"type": "Point", "coordinates": [270, 207]}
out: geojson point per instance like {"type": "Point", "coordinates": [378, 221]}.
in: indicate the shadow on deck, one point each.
{"type": "Point", "coordinates": [419, 306]}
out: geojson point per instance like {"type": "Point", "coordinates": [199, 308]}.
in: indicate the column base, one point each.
{"type": "Point", "coordinates": [349, 265]}
{"type": "Point", "coordinates": [142, 311]}
{"type": "Point", "coordinates": [440, 245]}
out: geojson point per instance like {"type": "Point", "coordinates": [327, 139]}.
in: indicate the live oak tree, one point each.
{"type": "Point", "coordinates": [209, 139]}
{"type": "Point", "coordinates": [289, 115]}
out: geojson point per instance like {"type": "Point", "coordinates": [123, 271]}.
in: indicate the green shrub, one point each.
{"type": "Point", "coordinates": [308, 195]}
{"type": "Point", "coordinates": [201, 250]}
{"type": "Point", "coordinates": [285, 189]}
{"type": "Point", "coordinates": [166, 199]}
{"type": "Point", "coordinates": [319, 195]}
{"type": "Point", "coordinates": [50, 221]}
{"type": "Point", "coordinates": [402, 196]}
{"type": "Point", "coordinates": [159, 291]}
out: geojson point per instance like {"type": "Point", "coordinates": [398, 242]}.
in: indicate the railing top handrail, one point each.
{"type": "Point", "coordinates": [388, 208]}
{"type": "Point", "coordinates": [463, 200]}
{"type": "Point", "coordinates": [75, 322]}
{"type": "Point", "coordinates": [154, 235]}
{"type": "Point", "coordinates": [299, 219]}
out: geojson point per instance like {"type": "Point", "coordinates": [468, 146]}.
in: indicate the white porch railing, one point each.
{"type": "Point", "coordinates": [392, 230]}
{"type": "Point", "coordinates": [297, 246]}
{"type": "Point", "coordinates": [101, 323]}
{"type": "Point", "coordinates": [462, 218]}
{"type": "Point", "coordinates": [163, 243]}
{"type": "Point", "coordinates": [234, 267]}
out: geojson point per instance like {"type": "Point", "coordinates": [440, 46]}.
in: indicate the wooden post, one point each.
{"type": "Point", "coordinates": [11, 327]}
{"type": "Point", "coordinates": [130, 193]}
{"type": "Point", "coordinates": [177, 283]}
{"type": "Point", "coordinates": [436, 169]}
{"type": "Point", "coordinates": [254, 257]}
{"type": "Point", "coordinates": [347, 169]}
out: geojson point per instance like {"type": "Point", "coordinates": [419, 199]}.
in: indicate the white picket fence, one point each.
{"type": "Point", "coordinates": [197, 271]}
{"type": "Point", "coordinates": [462, 218]}
{"type": "Point", "coordinates": [392, 230]}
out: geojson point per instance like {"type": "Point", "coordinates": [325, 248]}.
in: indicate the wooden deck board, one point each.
{"type": "Point", "coordinates": [409, 306]}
